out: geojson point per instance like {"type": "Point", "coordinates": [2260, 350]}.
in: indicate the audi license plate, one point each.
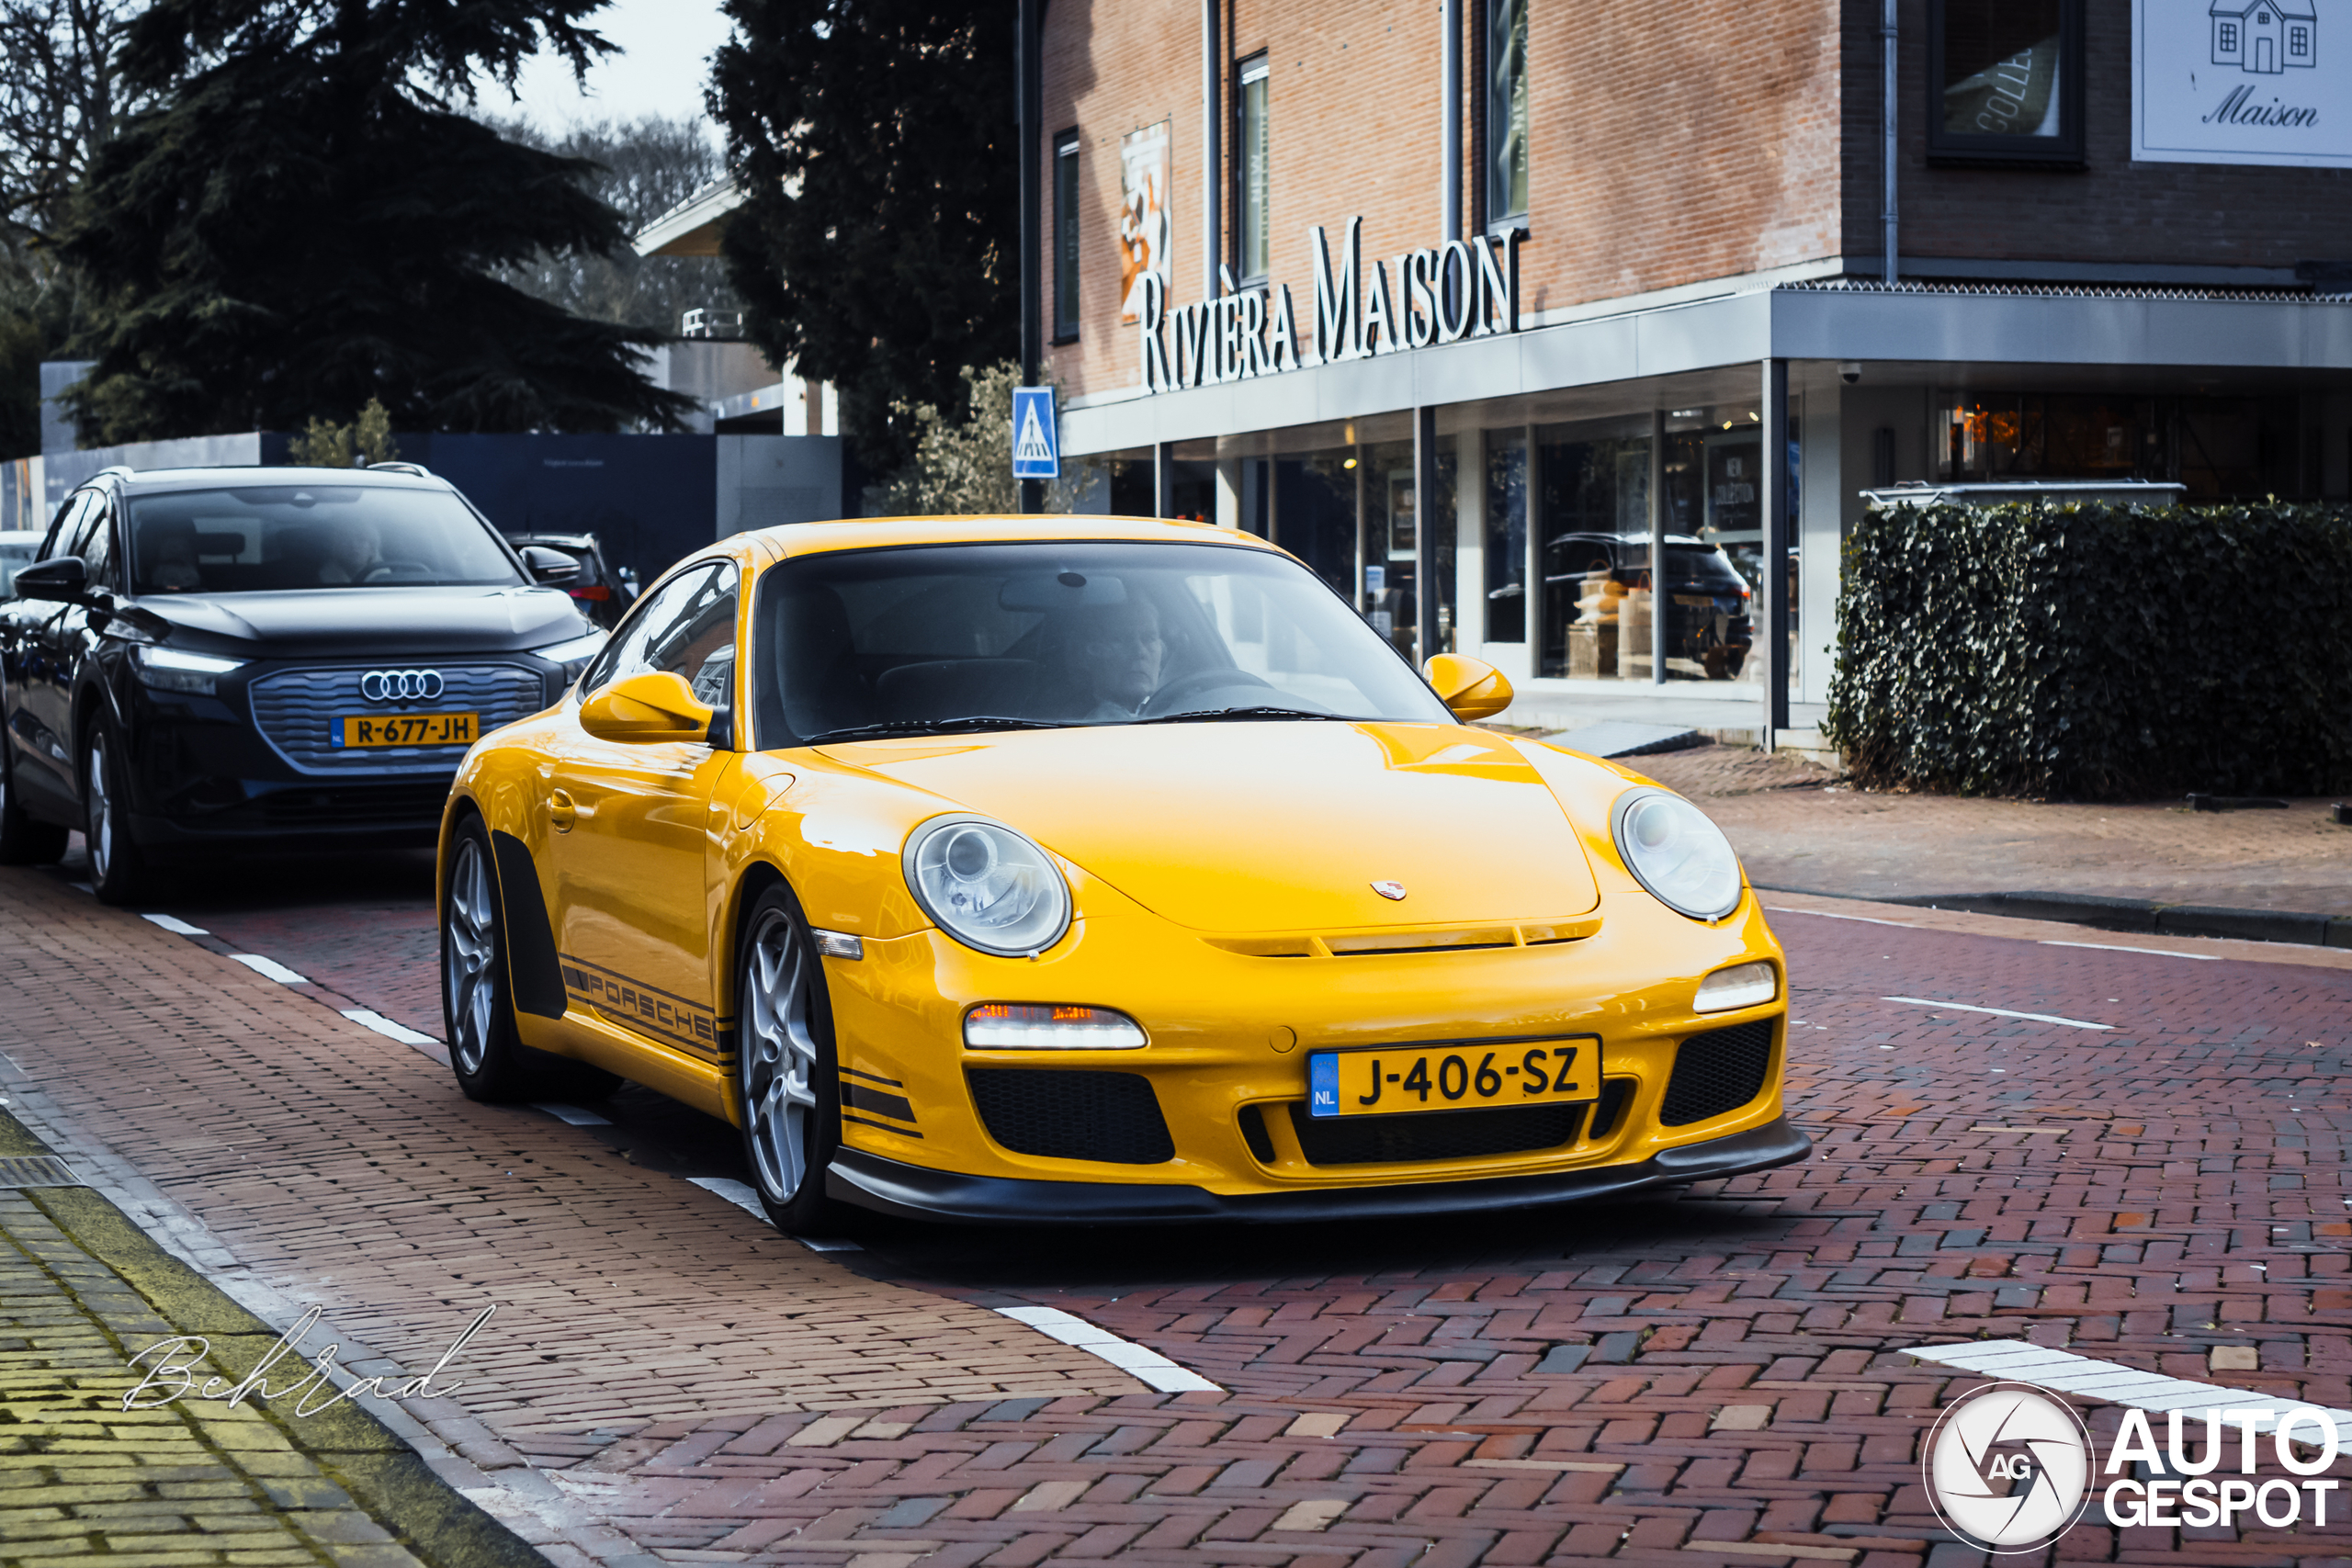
{"type": "Point", "coordinates": [363, 730]}
{"type": "Point", "coordinates": [1379, 1081]}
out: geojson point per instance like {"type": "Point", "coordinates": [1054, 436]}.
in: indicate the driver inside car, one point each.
{"type": "Point", "coordinates": [1122, 657]}
{"type": "Point", "coordinates": [354, 552]}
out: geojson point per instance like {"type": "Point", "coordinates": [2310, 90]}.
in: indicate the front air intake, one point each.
{"type": "Point", "coordinates": [1061, 1114]}
{"type": "Point", "coordinates": [1435, 1134]}
{"type": "Point", "coordinates": [1716, 1073]}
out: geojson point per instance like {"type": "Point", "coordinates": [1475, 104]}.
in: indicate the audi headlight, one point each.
{"type": "Point", "coordinates": [987, 886]}
{"type": "Point", "coordinates": [1672, 850]}
{"type": "Point", "coordinates": [573, 655]}
{"type": "Point", "coordinates": [176, 670]}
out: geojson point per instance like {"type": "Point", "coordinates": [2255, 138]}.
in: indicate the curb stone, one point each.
{"type": "Point", "coordinates": [2144, 917]}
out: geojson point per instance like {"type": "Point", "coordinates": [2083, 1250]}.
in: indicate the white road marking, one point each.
{"type": "Point", "coordinates": [1866, 919]}
{"type": "Point", "coordinates": [1150, 1366]}
{"type": "Point", "coordinates": [2020, 1361]}
{"type": "Point", "coordinates": [575, 1115]}
{"type": "Point", "coordinates": [177, 926]}
{"type": "Point", "coordinates": [270, 968]}
{"type": "Point", "coordinates": [2118, 947]}
{"type": "Point", "coordinates": [2000, 1012]}
{"type": "Point", "coordinates": [739, 1193]}
{"type": "Point", "coordinates": [367, 1019]}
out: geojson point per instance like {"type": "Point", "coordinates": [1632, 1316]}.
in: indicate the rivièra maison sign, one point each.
{"type": "Point", "coordinates": [1461, 288]}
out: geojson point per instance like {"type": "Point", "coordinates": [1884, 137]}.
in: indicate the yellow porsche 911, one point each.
{"type": "Point", "coordinates": [1098, 870]}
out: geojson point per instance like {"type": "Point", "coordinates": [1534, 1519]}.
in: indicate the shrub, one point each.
{"type": "Point", "coordinates": [2094, 650]}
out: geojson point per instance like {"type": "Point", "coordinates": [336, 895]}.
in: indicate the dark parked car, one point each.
{"type": "Point", "coordinates": [1707, 619]}
{"type": "Point", "coordinates": [605, 595]}
{"type": "Point", "coordinates": [211, 658]}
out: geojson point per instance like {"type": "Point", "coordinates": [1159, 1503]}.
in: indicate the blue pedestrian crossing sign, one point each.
{"type": "Point", "coordinates": [1036, 437]}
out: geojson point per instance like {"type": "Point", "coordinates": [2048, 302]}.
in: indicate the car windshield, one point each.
{"type": "Point", "coordinates": [267, 537]}
{"type": "Point", "coordinates": [939, 639]}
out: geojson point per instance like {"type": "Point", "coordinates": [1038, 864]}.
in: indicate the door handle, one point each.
{"type": "Point", "coordinates": [561, 813]}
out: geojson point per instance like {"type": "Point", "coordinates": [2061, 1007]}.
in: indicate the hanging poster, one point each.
{"type": "Point", "coordinates": [1144, 230]}
{"type": "Point", "coordinates": [2241, 82]}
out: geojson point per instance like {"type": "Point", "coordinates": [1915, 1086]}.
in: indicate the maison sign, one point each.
{"type": "Point", "coordinates": [1462, 288]}
{"type": "Point", "coordinates": [2240, 82]}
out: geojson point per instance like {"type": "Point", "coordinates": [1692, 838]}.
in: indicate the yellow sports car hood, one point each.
{"type": "Point", "coordinates": [1281, 826]}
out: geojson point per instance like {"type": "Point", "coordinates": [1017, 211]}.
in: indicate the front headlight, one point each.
{"type": "Point", "coordinates": [176, 670]}
{"type": "Point", "coordinates": [1672, 850]}
{"type": "Point", "coordinates": [574, 654]}
{"type": "Point", "coordinates": [987, 886]}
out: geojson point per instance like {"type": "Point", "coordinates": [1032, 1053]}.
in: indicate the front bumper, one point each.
{"type": "Point", "coordinates": [871, 1181]}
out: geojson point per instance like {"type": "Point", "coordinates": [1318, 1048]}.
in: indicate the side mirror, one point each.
{"type": "Point", "coordinates": [1472, 688]}
{"type": "Point", "coordinates": [655, 705]}
{"type": "Point", "coordinates": [549, 566]}
{"type": "Point", "coordinates": [61, 577]}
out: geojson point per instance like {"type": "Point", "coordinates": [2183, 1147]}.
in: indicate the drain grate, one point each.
{"type": "Point", "coordinates": [37, 1170]}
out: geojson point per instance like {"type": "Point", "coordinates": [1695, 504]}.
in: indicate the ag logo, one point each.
{"type": "Point", "coordinates": [2008, 1467]}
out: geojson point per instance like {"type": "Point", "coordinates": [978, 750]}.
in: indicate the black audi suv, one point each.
{"type": "Point", "coordinates": [239, 658]}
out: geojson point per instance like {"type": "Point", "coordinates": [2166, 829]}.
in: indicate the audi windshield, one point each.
{"type": "Point", "coordinates": [278, 538]}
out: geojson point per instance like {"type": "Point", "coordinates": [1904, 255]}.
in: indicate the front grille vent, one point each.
{"type": "Point", "coordinates": [302, 711]}
{"type": "Point", "coordinates": [1716, 1073]}
{"type": "Point", "coordinates": [1061, 1114]}
{"type": "Point", "coordinates": [1389, 943]}
{"type": "Point", "coordinates": [1434, 1135]}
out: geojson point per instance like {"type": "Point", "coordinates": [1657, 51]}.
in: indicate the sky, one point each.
{"type": "Point", "coordinates": [663, 67]}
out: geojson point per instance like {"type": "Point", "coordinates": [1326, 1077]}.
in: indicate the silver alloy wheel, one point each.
{"type": "Point", "coordinates": [468, 957]}
{"type": "Point", "coordinates": [779, 1057]}
{"type": "Point", "coordinates": [100, 800]}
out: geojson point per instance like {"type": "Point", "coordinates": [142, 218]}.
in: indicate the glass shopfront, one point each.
{"type": "Point", "coordinates": [2217, 447]}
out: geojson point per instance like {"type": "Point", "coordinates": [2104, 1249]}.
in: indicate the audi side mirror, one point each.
{"type": "Point", "coordinates": [551, 566]}
{"type": "Point", "coordinates": [61, 577]}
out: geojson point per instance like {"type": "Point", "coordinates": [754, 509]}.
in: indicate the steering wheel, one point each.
{"type": "Point", "coordinates": [1166, 700]}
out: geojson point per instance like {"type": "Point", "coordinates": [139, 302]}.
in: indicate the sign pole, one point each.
{"type": "Point", "coordinates": [1031, 90]}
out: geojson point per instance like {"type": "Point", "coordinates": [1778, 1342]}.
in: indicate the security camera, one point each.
{"type": "Point", "coordinates": [1850, 372]}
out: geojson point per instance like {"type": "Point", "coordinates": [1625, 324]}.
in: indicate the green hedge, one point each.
{"type": "Point", "coordinates": [2097, 650]}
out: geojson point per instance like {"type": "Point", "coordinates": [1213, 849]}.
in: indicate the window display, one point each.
{"type": "Point", "coordinates": [2007, 79]}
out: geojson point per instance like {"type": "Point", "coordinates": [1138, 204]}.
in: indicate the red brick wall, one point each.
{"type": "Point", "coordinates": [2112, 211]}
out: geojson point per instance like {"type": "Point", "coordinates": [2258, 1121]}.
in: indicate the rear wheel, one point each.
{"type": "Point", "coordinates": [25, 840]}
{"type": "Point", "coordinates": [117, 869]}
{"type": "Point", "coordinates": [784, 1077]}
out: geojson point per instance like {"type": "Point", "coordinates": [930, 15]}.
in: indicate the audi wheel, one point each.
{"type": "Point", "coordinates": [118, 870]}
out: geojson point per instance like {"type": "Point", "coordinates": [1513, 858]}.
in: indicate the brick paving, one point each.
{"type": "Point", "coordinates": [1796, 827]}
{"type": "Point", "coordinates": [1706, 1379]}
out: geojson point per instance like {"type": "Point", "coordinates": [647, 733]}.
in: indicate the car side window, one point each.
{"type": "Point", "coordinates": [687, 627]}
{"type": "Point", "coordinates": [71, 515]}
{"type": "Point", "coordinates": [96, 544]}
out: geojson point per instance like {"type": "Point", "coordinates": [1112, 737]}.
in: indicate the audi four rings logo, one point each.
{"type": "Point", "coordinates": [399, 685]}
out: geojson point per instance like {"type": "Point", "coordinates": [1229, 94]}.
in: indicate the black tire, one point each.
{"type": "Point", "coordinates": [476, 1009]}
{"type": "Point", "coordinates": [118, 870]}
{"type": "Point", "coordinates": [488, 1057]}
{"type": "Point", "coordinates": [25, 840]}
{"type": "Point", "coordinates": [788, 1090]}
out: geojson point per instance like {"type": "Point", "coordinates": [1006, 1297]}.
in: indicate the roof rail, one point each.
{"type": "Point", "coordinates": [419, 470]}
{"type": "Point", "coordinates": [123, 468]}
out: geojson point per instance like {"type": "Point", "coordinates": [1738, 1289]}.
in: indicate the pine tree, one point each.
{"type": "Point", "coordinates": [306, 223]}
{"type": "Point", "coordinates": [879, 244]}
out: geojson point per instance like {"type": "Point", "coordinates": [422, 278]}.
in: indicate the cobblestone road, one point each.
{"type": "Point", "coordinates": [1717, 1378]}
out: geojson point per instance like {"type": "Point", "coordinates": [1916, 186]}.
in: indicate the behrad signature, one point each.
{"type": "Point", "coordinates": [190, 1348]}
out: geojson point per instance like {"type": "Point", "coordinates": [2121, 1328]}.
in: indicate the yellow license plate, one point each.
{"type": "Point", "coordinates": [363, 731]}
{"type": "Point", "coordinates": [1393, 1080]}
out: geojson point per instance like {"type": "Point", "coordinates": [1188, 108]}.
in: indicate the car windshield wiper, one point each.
{"type": "Point", "coordinates": [1211, 715]}
{"type": "Point", "coordinates": [930, 726]}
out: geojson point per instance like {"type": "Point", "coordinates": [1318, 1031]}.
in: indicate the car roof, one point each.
{"type": "Point", "coordinates": [882, 533]}
{"type": "Point", "coordinates": [159, 481]}
{"type": "Point", "coordinates": [571, 541]}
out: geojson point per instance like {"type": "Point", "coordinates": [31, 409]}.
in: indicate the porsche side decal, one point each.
{"type": "Point", "coordinates": [650, 1010]}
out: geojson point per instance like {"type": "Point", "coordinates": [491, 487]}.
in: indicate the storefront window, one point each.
{"type": "Point", "coordinates": [2217, 447]}
{"type": "Point", "coordinates": [2009, 80]}
{"type": "Point", "coordinates": [1592, 515]}
{"type": "Point", "coordinates": [1066, 226]}
{"type": "Point", "coordinates": [1252, 231]}
{"type": "Point", "coordinates": [1505, 110]}
{"type": "Point", "coordinates": [1506, 538]}
{"type": "Point", "coordinates": [1314, 514]}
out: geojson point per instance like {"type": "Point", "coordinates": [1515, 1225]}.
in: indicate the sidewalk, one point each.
{"type": "Point", "coordinates": [1797, 829]}
{"type": "Point", "coordinates": [82, 1480]}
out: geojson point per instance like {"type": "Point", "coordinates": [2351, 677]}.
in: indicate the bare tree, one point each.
{"type": "Point", "coordinates": [61, 97]}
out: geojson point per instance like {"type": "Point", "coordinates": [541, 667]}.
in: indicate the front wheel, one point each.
{"type": "Point", "coordinates": [117, 869]}
{"type": "Point", "coordinates": [784, 1077]}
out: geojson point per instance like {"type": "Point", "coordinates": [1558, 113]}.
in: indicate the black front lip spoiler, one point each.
{"type": "Point", "coordinates": [871, 1181]}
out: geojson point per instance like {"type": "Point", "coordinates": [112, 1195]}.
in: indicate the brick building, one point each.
{"type": "Point", "coordinates": [1500, 295]}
